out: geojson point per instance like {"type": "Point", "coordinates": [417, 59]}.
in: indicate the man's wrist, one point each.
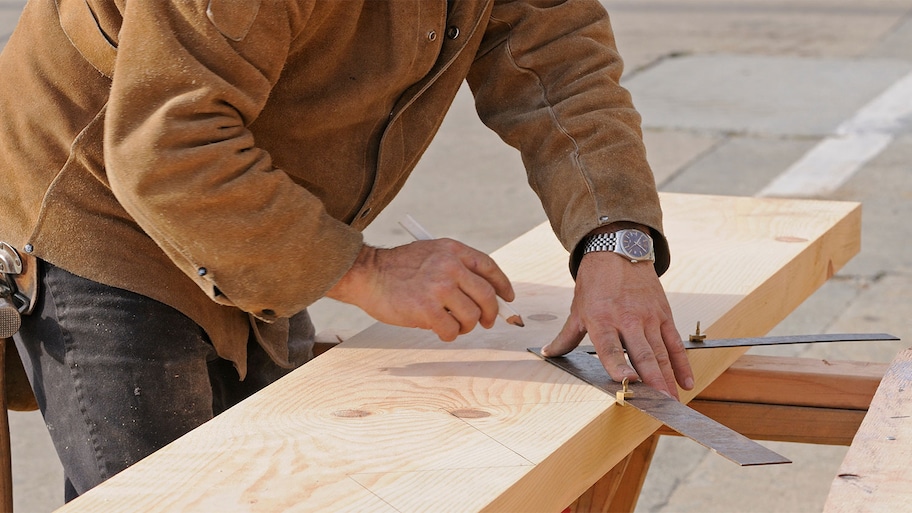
{"type": "Point", "coordinates": [352, 283]}
{"type": "Point", "coordinates": [578, 253]}
{"type": "Point", "coordinates": [633, 244]}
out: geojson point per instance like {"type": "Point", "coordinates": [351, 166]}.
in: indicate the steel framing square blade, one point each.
{"type": "Point", "coordinates": [677, 416]}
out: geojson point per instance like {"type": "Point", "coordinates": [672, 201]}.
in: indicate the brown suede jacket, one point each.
{"type": "Point", "coordinates": [223, 156]}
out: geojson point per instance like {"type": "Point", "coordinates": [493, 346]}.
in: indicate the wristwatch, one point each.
{"type": "Point", "coordinates": [632, 244]}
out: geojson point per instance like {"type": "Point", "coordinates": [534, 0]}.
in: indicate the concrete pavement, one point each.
{"type": "Point", "coordinates": [758, 85]}
{"type": "Point", "coordinates": [733, 93]}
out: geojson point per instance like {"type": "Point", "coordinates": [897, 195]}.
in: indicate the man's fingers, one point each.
{"type": "Point", "coordinates": [482, 295]}
{"type": "Point", "coordinates": [650, 362]}
{"type": "Point", "coordinates": [464, 309]}
{"type": "Point", "coordinates": [661, 357]}
{"type": "Point", "coordinates": [608, 347]}
{"type": "Point", "coordinates": [610, 351]}
{"type": "Point", "coordinates": [480, 279]}
{"type": "Point", "coordinates": [611, 354]}
{"type": "Point", "coordinates": [570, 336]}
{"type": "Point", "coordinates": [444, 325]}
{"type": "Point", "coordinates": [485, 267]}
{"type": "Point", "coordinates": [678, 355]}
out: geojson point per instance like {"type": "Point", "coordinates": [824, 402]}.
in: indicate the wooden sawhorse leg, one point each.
{"type": "Point", "coordinates": [618, 490]}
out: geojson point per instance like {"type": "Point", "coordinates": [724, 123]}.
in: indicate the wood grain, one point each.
{"type": "Point", "coordinates": [798, 382]}
{"type": "Point", "coordinates": [799, 424]}
{"type": "Point", "coordinates": [395, 420]}
{"type": "Point", "coordinates": [876, 474]}
{"type": "Point", "coordinates": [618, 490]}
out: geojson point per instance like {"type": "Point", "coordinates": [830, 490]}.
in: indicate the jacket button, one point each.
{"type": "Point", "coordinates": [29, 248]}
{"type": "Point", "coordinates": [452, 32]}
{"type": "Point", "coordinates": [432, 35]}
{"type": "Point", "coordinates": [202, 271]}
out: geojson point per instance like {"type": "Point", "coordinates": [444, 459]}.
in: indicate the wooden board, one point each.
{"type": "Point", "coordinates": [799, 424]}
{"type": "Point", "coordinates": [804, 400]}
{"type": "Point", "coordinates": [798, 382]}
{"type": "Point", "coordinates": [395, 420]}
{"type": "Point", "coordinates": [876, 472]}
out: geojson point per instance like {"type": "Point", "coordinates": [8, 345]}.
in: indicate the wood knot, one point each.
{"type": "Point", "coordinates": [469, 413]}
{"type": "Point", "coordinates": [542, 317]}
{"type": "Point", "coordinates": [351, 414]}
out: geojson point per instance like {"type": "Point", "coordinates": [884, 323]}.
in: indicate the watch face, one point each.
{"type": "Point", "coordinates": [636, 244]}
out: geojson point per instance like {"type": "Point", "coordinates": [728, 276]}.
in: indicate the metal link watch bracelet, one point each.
{"type": "Point", "coordinates": [634, 245]}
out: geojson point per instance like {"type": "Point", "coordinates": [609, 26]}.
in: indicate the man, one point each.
{"type": "Point", "coordinates": [192, 175]}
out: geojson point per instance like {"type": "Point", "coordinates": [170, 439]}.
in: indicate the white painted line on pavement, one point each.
{"type": "Point", "coordinates": [857, 140]}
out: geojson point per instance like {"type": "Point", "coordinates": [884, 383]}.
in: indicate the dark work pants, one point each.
{"type": "Point", "coordinates": [118, 375]}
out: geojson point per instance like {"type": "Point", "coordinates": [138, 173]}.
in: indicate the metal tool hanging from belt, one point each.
{"type": "Point", "coordinates": [18, 288]}
{"type": "Point", "coordinates": [679, 417]}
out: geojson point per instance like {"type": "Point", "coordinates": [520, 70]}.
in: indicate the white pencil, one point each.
{"type": "Point", "coordinates": [419, 233]}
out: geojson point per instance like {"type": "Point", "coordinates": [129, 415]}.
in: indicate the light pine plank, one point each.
{"type": "Point", "coordinates": [618, 490]}
{"type": "Point", "coordinates": [798, 382]}
{"type": "Point", "coordinates": [401, 488]}
{"type": "Point", "coordinates": [876, 473]}
{"type": "Point", "coordinates": [800, 424]}
{"type": "Point", "coordinates": [395, 416]}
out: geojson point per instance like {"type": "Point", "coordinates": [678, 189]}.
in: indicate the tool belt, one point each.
{"type": "Point", "coordinates": [18, 295]}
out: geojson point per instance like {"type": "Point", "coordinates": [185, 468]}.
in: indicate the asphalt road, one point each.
{"type": "Point", "coordinates": [807, 98]}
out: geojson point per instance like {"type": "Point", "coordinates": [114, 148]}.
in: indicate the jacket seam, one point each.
{"type": "Point", "coordinates": [580, 167]}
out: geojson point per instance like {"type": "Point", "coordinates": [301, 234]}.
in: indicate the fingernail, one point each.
{"type": "Point", "coordinates": [689, 383]}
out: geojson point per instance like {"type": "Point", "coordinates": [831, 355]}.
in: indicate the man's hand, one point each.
{"type": "Point", "coordinates": [618, 302]}
{"type": "Point", "coordinates": [441, 285]}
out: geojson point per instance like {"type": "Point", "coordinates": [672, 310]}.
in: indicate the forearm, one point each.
{"type": "Point", "coordinates": [356, 282]}
{"type": "Point", "coordinates": [575, 125]}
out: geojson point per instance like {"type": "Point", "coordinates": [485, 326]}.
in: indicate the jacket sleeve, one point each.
{"type": "Point", "coordinates": [181, 160]}
{"type": "Point", "coordinates": [546, 79]}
